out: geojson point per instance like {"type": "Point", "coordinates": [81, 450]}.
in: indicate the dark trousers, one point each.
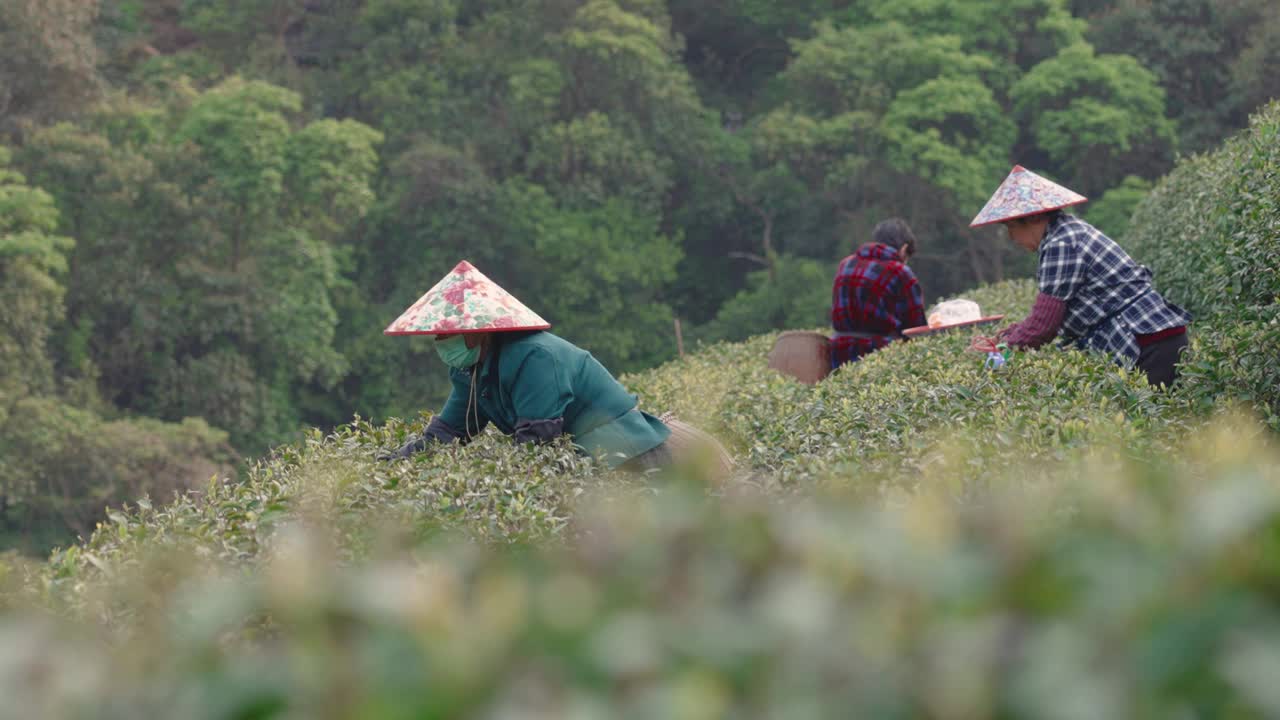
{"type": "Point", "coordinates": [1160, 360]}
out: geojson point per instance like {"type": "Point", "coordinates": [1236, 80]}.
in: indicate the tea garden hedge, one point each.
{"type": "Point", "coordinates": [917, 536]}
{"type": "Point", "coordinates": [1211, 233]}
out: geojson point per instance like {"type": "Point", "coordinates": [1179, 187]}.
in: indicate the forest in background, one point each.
{"type": "Point", "coordinates": [210, 209]}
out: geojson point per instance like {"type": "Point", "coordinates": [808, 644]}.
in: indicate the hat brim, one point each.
{"type": "Point", "coordinates": [924, 331]}
{"type": "Point", "coordinates": [467, 332]}
{"type": "Point", "coordinates": [1027, 215]}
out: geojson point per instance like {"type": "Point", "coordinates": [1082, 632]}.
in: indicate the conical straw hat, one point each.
{"type": "Point", "coordinates": [466, 301]}
{"type": "Point", "coordinates": [1025, 193]}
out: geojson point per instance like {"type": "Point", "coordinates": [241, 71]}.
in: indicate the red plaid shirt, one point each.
{"type": "Point", "coordinates": [874, 293]}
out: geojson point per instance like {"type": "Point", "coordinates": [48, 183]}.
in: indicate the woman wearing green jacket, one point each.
{"type": "Point", "coordinates": [508, 370]}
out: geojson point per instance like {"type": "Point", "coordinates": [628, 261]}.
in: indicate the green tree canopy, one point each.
{"type": "Point", "coordinates": [33, 262]}
{"type": "Point", "coordinates": [920, 112]}
{"type": "Point", "coordinates": [1215, 59]}
{"type": "Point", "coordinates": [211, 227]}
{"type": "Point", "coordinates": [1095, 116]}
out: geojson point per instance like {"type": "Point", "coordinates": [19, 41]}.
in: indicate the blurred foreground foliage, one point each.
{"type": "Point", "coordinates": [1112, 583]}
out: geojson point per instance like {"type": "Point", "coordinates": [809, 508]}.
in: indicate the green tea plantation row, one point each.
{"type": "Point", "coordinates": [1211, 233]}
{"type": "Point", "coordinates": [871, 428]}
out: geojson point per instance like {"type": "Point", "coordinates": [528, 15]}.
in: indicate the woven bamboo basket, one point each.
{"type": "Point", "coordinates": [803, 355]}
{"type": "Point", "coordinates": [691, 446]}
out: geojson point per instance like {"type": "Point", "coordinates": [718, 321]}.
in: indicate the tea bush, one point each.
{"type": "Point", "coordinates": [1211, 228]}
{"type": "Point", "coordinates": [1211, 232]}
{"type": "Point", "coordinates": [886, 415]}
{"type": "Point", "coordinates": [728, 387]}
{"type": "Point", "coordinates": [1129, 585]}
{"type": "Point", "coordinates": [874, 428]}
{"type": "Point", "coordinates": [491, 491]}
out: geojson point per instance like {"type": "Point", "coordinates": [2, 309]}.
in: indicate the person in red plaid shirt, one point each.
{"type": "Point", "coordinates": [875, 296]}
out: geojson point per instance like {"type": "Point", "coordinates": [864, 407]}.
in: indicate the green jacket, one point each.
{"type": "Point", "coordinates": [536, 386]}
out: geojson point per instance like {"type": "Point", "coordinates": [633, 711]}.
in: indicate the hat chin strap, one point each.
{"type": "Point", "coordinates": [472, 404]}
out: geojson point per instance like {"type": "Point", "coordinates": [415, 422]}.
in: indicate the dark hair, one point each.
{"type": "Point", "coordinates": [896, 233]}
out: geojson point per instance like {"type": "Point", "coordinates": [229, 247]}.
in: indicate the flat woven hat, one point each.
{"type": "Point", "coordinates": [1025, 193]}
{"type": "Point", "coordinates": [466, 301]}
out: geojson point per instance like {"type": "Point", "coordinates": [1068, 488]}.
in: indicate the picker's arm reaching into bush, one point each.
{"type": "Point", "coordinates": [1041, 325]}
{"type": "Point", "coordinates": [444, 427]}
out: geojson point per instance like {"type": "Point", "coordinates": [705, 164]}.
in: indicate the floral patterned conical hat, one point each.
{"type": "Point", "coordinates": [466, 301]}
{"type": "Point", "coordinates": [1025, 193]}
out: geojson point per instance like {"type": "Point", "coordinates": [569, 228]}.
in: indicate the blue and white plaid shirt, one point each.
{"type": "Point", "coordinates": [1109, 296]}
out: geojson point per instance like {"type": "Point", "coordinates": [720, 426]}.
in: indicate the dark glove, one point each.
{"type": "Point", "coordinates": [538, 431]}
{"type": "Point", "coordinates": [416, 444]}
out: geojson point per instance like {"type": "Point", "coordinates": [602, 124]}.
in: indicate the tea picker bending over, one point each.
{"type": "Point", "coordinates": [1091, 292]}
{"type": "Point", "coordinates": [507, 370]}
